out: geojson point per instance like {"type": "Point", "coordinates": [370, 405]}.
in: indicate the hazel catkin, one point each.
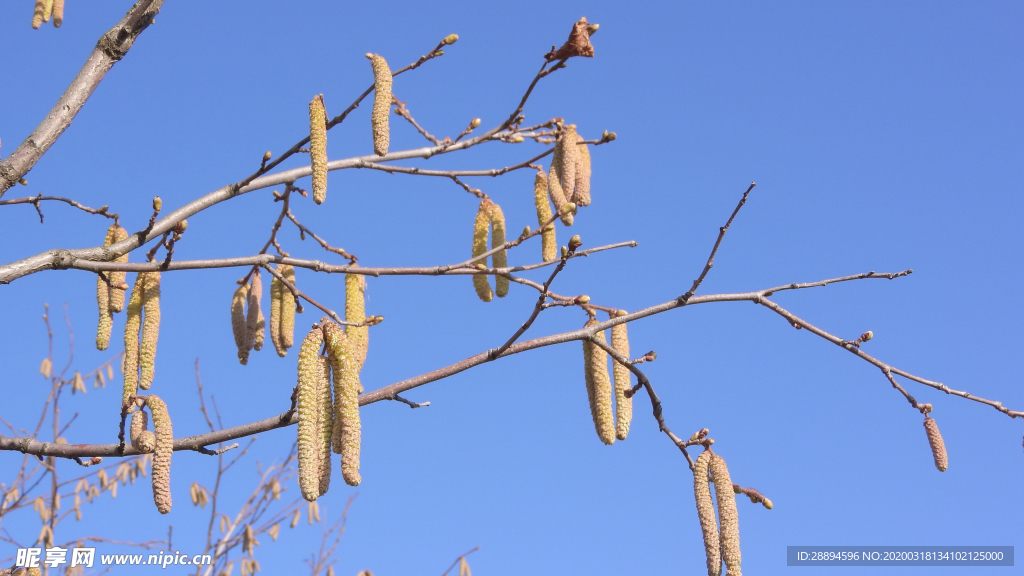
{"type": "Point", "coordinates": [140, 422]}
{"type": "Point", "coordinates": [161, 453]}
{"type": "Point", "coordinates": [117, 278]}
{"type": "Point", "coordinates": [566, 167]}
{"type": "Point", "coordinates": [558, 199]}
{"type": "Point", "coordinates": [37, 15]}
{"type": "Point", "coordinates": [287, 307]}
{"type": "Point", "coordinates": [58, 13]}
{"type": "Point", "coordinates": [238, 322]}
{"type": "Point", "coordinates": [275, 316]}
{"type": "Point", "coordinates": [106, 321]}
{"type": "Point", "coordinates": [581, 195]}
{"type": "Point", "coordinates": [623, 405]}
{"type": "Point", "coordinates": [150, 330]}
{"type": "Point", "coordinates": [599, 387]}
{"type": "Point", "coordinates": [549, 245]}
{"type": "Point", "coordinates": [728, 516]}
{"type": "Point", "coordinates": [935, 441]}
{"type": "Point", "coordinates": [480, 226]}
{"type": "Point", "coordinates": [706, 513]}
{"type": "Point", "coordinates": [355, 311]}
{"type": "Point", "coordinates": [133, 321]}
{"type": "Point", "coordinates": [347, 424]}
{"type": "Point", "coordinates": [318, 147]}
{"type": "Point", "coordinates": [498, 259]}
{"type": "Point", "coordinates": [325, 426]}
{"type": "Point", "coordinates": [309, 410]}
{"type": "Point", "coordinates": [381, 104]}
{"type": "Point", "coordinates": [252, 315]}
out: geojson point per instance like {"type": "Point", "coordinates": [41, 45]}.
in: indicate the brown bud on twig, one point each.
{"type": "Point", "coordinates": [623, 404]}
{"type": "Point", "coordinates": [318, 147]}
{"type": "Point", "coordinates": [599, 387]}
{"type": "Point", "coordinates": [162, 453]}
{"type": "Point", "coordinates": [578, 43]}
{"type": "Point", "coordinates": [706, 513]}
{"type": "Point", "coordinates": [728, 515]}
{"type": "Point", "coordinates": [575, 242]}
{"type": "Point", "coordinates": [938, 446]}
{"type": "Point", "coordinates": [381, 104]}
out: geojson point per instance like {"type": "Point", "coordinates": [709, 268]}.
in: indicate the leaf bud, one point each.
{"type": "Point", "coordinates": [475, 123]}
{"type": "Point", "coordinates": [575, 242]}
{"type": "Point", "coordinates": [569, 207]}
{"type": "Point", "coordinates": [267, 156]}
{"type": "Point", "coordinates": [516, 139]}
{"type": "Point", "coordinates": [526, 232]}
{"type": "Point", "coordinates": [157, 203]}
{"type": "Point", "coordinates": [180, 227]}
{"type": "Point", "coordinates": [564, 251]}
{"type": "Point", "coordinates": [450, 39]}
{"type": "Point", "coordinates": [438, 53]}
{"type": "Point", "coordinates": [23, 182]}
{"type": "Point", "coordinates": [867, 336]}
{"type": "Point", "coordinates": [584, 299]}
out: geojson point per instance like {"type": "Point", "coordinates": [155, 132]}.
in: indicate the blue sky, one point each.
{"type": "Point", "coordinates": [882, 137]}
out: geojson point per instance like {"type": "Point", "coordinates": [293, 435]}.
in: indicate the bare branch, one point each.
{"type": "Point", "coordinates": [721, 234]}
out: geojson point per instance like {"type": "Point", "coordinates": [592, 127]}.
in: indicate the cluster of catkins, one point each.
{"type": "Point", "coordinates": [722, 537]}
{"type": "Point", "coordinates": [599, 385]}
{"type": "Point", "coordinates": [45, 9]}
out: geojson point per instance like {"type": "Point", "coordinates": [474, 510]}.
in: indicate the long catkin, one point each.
{"type": "Point", "coordinates": [47, 10]}
{"type": "Point", "coordinates": [728, 516]}
{"type": "Point", "coordinates": [623, 405]}
{"type": "Point", "coordinates": [347, 424]}
{"type": "Point", "coordinates": [599, 387]}
{"type": "Point", "coordinates": [355, 311]}
{"type": "Point", "coordinates": [480, 226]}
{"type": "Point", "coordinates": [381, 104]}
{"type": "Point", "coordinates": [548, 243]}
{"type": "Point", "coordinates": [498, 259]}
{"type": "Point", "coordinates": [309, 410]}
{"type": "Point", "coordinates": [325, 426]}
{"type": "Point", "coordinates": [238, 322]}
{"type": "Point", "coordinates": [558, 199]}
{"type": "Point", "coordinates": [937, 444]}
{"type": "Point", "coordinates": [150, 330]}
{"type": "Point", "coordinates": [106, 321]}
{"type": "Point", "coordinates": [252, 314]}
{"type": "Point", "coordinates": [132, 323]}
{"type": "Point", "coordinates": [581, 196]}
{"type": "Point", "coordinates": [318, 147]}
{"type": "Point", "coordinates": [117, 278]}
{"type": "Point", "coordinates": [706, 513]}
{"type": "Point", "coordinates": [161, 453]}
{"type": "Point", "coordinates": [139, 425]}
{"type": "Point", "coordinates": [58, 13]}
{"type": "Point", "coordinates": [566, 168]}
{"type": "Point", "coordinates": [287, 307]}
{"type": "Point", "coordinates": [37, 16]}
{"type": "Point", "coordinates": [275, 316]}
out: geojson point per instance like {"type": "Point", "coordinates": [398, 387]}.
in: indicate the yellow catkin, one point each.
{"type": "Point", "coordinates": [58, 13]}
{"type": "Point", "coordinates": [728, 517]}
{"type": "Point", "coordinates": [275, 316]}
{"type": "Point", "coordinates": [599, 387]}
{"type": "Point", "coordinates": [381, 104]}
{"type": "Point", "coordinates": [287, 308]}
{"type": "Point", "coordinates": [498, 259]}
{"type": "Point", "coordinates": [161, 453]}
{"type": "Point", "coordinates": [355, 311]}
{"type": "Point", "coordinates": [150, 330]}
{"type": "Point", "coordinates": [106, 322]}
{"type": "Point", "coordinates": [238, 322]}
{"type": "Point", "coordinates": [117, 278]}
{"type": "Point", "coordinates": [37, 16]}
{"type": "Point", "coordinates": [938, 446]}
{"type": "Point", "coordinates": [480, 226]}
{"type": "Point", "coordinates": [549, 245]}
{"type": "Point", "coordinates": [581, 196]}
{"type": "Point", "coordinates": [308, 406]}
{"type": "Point", "coordinates": [261, 326]}
{"type": "Point", "coordinates": [347, 425]}
{"type": "Point", "coordinates": [706, 513]}
{"type": "Point", "coordinates": [47, 10]}
{"type": "Point", "coordinates": [325, 426]}
{"type": "Point", "coordinates": [566, 169]}
{"type": "Point", "coordinates": [133, 321]}
{"type": "Point", "coordinates": [140, 423]}
{"type": "Point", "coordinates": [623, 405]}
{"type": "Point", "coordinates": [558, 199]}
{"type": "Point", "coordinates": [318, 147]}
{"type": "Point", "coordinates": [252, 315]}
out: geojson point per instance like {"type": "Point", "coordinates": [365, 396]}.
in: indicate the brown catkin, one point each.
{"type": "Point", "coordinates": [117, 278]}
{"type": "Point", "coordinates": [381, 104]}
{"type": "Point", "coordinates": [623, 405]}
{"type": "Point", "coordinates": [275, 316]}
{"type": "Point", "coordinates": [58, 13]}
{"type": "Point", "coordinates": [252, 314]}
{"type": "Point", "coordinates": [706, 513]}
{"type": "Point", "coordinates": [498, 259]}
{"type": "Point", "coordinates": [938, 446]}
{"type": "Point", "coordinates": [728, 516]}
{"type": "Point", "coordinates": [161, 453]}
{"type": "Point", "coordinates": [309, 409]}
{"type": "Point", "coordinates": [318, 147]}
{"type": "Point", "coordinates": [480, 226]}
{"type": "Point", "coordinates": [566, 169]}
{"type": "Point", "coordinates": [355, 311]}
{"type": "Point", "coordinates": [558, 199]}
{"type": "Point", "coordinates": [326, 424]}
{"type": "Point", "coordinates": [37, 16]}
{"type": "Point", "coordinates": [146, 442]}
{"type": "Point", "coordinates": [140, 423]}
{"type": "Point", "coordinates": [150, 330]}
{"type": "Point", "coordinates": [106, 322]}
{"type": "Point", "coordinates": [132, 323]}
{"type": "Point", "coordinates": [287, 307]}
{"type": "Point", "coordinates": [261, 326]}
{"type": "Point", "coordinates": [581, 196]}
{"type": "Point", "coordinates": [348, 427]}
{"type": "Point", "coordinates": [599, 387]}
{"type": "Point", "coordinates": [549, 245]}
{"type": "Point", "coordinates": [238, 322]}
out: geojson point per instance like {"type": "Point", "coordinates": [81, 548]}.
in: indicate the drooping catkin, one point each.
{"type": "Point", "coordinates": [106, 322]}
{"type": "Point", "coordinates": [548, 243]}
{"type": "Point", "coordinates": [728, 516]}
{"type": "Point", "coordinates": [599, 387]}
{"type": "Point", "coordinates": [287, 307]}
{"type": "Point", "coordinates": [325, 426]}
{"type": "Point", "coordinates": [381, 104]}
{"type": "Point", "coordinates": [355, 311]}
{"type": "Point", "coordinates": [238, 322]}
{"type": "Point", "coordinates": [261, 325]}
{"type": "Point", "coordinates": [581, 196]}
{"type": "Point", "coordinates": [558, 199]}
{"type": "Point", "coordinates": [140, 423]}
{"type": "Point", "coordinates": [161, 453]}
{"type": "Point", "coordinates": [566, 168]}
{"type": "Point", "coordinates": [252, 314]}
{"type": "Point", "coordinates": [47, 10]}
{"type": "Point", "coordinates": [498, 259]}
{"type": "Point", "coordinates": [347, 424]}
{"type": "Point", "coordinates": [132, 323]}
{"type": "Point", "coordinates": [117, 278]}
{"type": "Point", "coordinates": [275, 316]}
{"type": "Point", "coordinates": [150, 330]}
{"type": "Point", "coordinates": [58, 13]}
{"type": "Point", "coordinates": [480, 226]}
{"type": "Point", "coordinates": [935, 440]}
{"type": "Point", "coordinates": [309, 410]}
{"type": "Point", "coordinates": [318, 147]}
{"type": "Point", "coordinates": [37, 16]}
{"type": "Point", "coordinates": [623, 405]}
{"type": "Point", "coordinates": [706, 513]}
{"type": "Point", "coordinates": [146, 442]}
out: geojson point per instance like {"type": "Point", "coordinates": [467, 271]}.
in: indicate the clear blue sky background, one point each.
{"type": "Point", "coordinates": [882, 137]}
